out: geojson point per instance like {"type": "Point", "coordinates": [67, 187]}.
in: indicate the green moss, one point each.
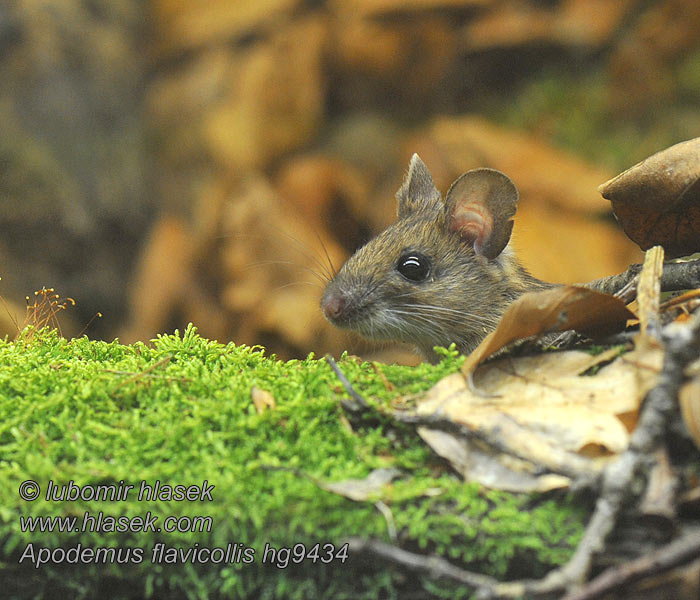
{"type": "Point", "coordinates": [180, 411]}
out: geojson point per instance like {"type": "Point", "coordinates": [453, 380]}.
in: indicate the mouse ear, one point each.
{"type": "Point", "coordinates": [480, 208]}
{"type": "Point", "coordinates": [418, 192]}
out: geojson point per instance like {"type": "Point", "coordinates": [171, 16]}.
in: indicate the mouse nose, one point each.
{"type": "Point", "coordinates": [333, 305]}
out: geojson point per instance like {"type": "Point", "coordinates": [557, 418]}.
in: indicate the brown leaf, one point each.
{"type": "Point", "coordinates": [571, 23]}
{"type": "Point", "coordinates": [540, 171]}
{"type": "Point", "coordinates": [558, 309]}
{"type": "Point", "coordinates": [657, 201]}
{"type": "Point", "coordinates": [184, 25]}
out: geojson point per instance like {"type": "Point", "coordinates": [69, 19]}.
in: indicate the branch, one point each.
{"type": "Point", "coordinates": [678, 552]}
{"type": "Point", "coordinates": [676, 276]}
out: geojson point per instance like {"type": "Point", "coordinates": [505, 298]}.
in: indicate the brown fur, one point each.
{"type": "Point", "coordinates": [461, 300]}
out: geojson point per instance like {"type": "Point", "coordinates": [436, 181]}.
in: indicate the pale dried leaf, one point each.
{"type": "Point", "coordinates": [496, 471]}
{"type": "Point", "coordinates": [548, 413]}
{"type": "Point", "coordinates": [360, 490]}
{"type": "Point", "coordinates": [689, 399]}
{"type": "Point", "coordinates": [262, 399]}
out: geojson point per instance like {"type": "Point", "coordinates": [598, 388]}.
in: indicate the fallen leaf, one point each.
{"type": "Point", "coordinates": [580, 24]}
{"type": "Point", "coordinates": [540, 171]}
{"type": "Point", "coordinates": [558, 309]}
{"type": "Point", "coordinates": [682, 305]}
{"type": "Point", "coordinates": [262, 399]}
{"type": "Point", "coordinates": [186, 25]}
{"type": "Point", "coordinates": [360, 490]}
{"type": "Point", "coordinates": [543, 412]}
{"type": "Point", "coordinates": [689, 398]}
{"type": "Point", "coordinates": [657, 201]}
{"type": "Point", "coordinates": [496, 471]}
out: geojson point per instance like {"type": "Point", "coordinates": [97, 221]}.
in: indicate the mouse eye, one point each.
{"type": "Point", "coordinates": [414, 266]}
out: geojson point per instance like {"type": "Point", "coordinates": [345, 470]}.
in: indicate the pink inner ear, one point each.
{"type": "Point", "coordinates": [473, 222]}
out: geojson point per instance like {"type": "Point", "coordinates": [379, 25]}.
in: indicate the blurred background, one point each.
{"type": "Point", "coordinates": [169, 161]}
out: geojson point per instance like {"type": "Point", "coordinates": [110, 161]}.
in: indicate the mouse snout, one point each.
{"type": "Point", "coordinates": [333, 305]}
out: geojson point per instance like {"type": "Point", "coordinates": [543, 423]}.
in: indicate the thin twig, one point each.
{"type": "Point", "coordinates": [134, 376]}
{"type": "Point", "coordinates": [675, 276]}
{"type": "Point", "coordinates": [677, 553]}
{"type": "Point", "coordinates": [360, 402]}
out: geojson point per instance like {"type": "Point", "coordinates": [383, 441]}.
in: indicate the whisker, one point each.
{"type": "Point", "coordinates": [301, 248]}
{"type": "Point", "coordinates": [305, 251]}
{"type": "Point", "coordinates": [334, 271]}
{"type": "Point", "coordinates": [263, 263]}
{"type": "Point", "coordinates": [286, 285]}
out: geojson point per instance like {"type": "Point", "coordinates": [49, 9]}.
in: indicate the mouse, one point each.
{"type": "Point", "coordinates": [443, 272]}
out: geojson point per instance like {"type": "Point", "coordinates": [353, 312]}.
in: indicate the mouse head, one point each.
{"type": "Point", "coordinates": [433, 276]}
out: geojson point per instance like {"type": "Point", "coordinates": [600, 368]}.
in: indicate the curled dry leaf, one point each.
{"type": "Point", "coordinates": [657, 201]}
{"type": "Point", "coordinates": [558, 309]}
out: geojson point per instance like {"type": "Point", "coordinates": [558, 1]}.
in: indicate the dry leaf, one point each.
{"type": "Point", "coordinates": [657, 201]}
{"type": "Point", "coordinates": [496, 471]}
{"type": "Point", "coordinates": [545, 412]}
{"type": "Point", "coordinates": [262, 399]}
{"type": "Point", "coordinates": [162, 278]}
{"type": "Point", "coordinates": [363, 489]}
{"type": "Point", "coordinates": [689, 398]}
{"type": "Point", "coordinates": [186, 25]}
{"type": "Point", "coordinates": [558, 309]}
{"type": "Point", "coordinates": [571, 23]}
{"type": "Point", "coordinates": [569, 247]}
{"type": "Point", "coordinates": [377, 8]}
{"type": "Point", "coordinates": [540, 171]}
{"type": "Point", "coordinates": [683, 305]}
{"type": "Point", "coordinates": [275, 103]}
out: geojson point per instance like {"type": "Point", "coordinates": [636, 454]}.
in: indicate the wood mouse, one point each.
{"type": "Point", "coordinates": [443, 272]}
